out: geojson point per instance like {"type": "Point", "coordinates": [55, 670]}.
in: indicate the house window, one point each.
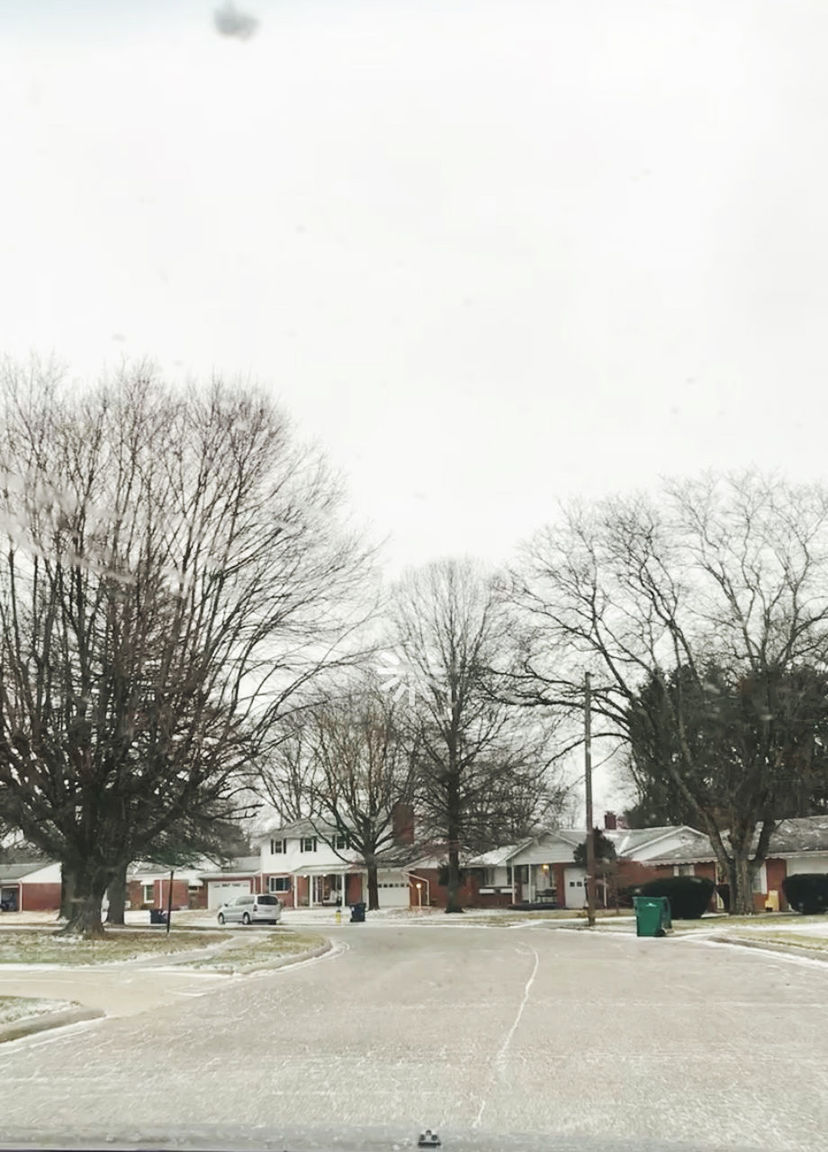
{"type": "Point", "coordinates": [278, 847]}
{"type": "Point", "coordinates": [488, 878]}
{"type": "Point", "coordinates": [307, 844]}
{"type": "Point", "coordinates": [148, 893]}
{"type": "Point", "coordinates": [341, 842]}
{"type": "Point", "coordinates": [279, 883]}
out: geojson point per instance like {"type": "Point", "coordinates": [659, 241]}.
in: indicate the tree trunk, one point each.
{"type": "Point", "coordinates": [740, 877]}
{"type": "Point", "coordinates": [453, 902]}
{"type": "Point", "coordinates": [373, 888]}
{"type": "Point", "coordinates": [453, 813]}
{"type": "Point", "coordinates": [90, 884]}
{"type": "Point", "coordinates": [116, 893]}
{"type": "Point", "coordinates": [67, 892]}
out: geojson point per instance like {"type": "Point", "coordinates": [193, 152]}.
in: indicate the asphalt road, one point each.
{"type": "Point", "coordinates": [491, 1031]}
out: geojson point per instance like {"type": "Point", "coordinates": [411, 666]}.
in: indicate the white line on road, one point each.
{"type": "Point", "coordinates": [504, 1047]}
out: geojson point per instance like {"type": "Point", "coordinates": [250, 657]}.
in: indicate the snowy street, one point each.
{"type": "Point", "coordinates": [485, 1029]}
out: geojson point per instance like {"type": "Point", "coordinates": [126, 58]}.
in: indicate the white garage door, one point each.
{"type": "Point", "coordinates": [219, 894]}
{"type": "Point", "coordinates": [574, 887]}
{"type": "Point", "coordinates": [814, 862]}
{"type": "Point", "coordinates": [393, 890]}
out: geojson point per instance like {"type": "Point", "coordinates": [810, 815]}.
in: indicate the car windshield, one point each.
{"type": "Point", "coordinates": [413, 574]}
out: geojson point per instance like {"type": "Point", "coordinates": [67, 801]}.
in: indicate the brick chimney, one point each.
{"type": "Point", "coordinates": [402, 816]}
{"type": "Point", "coordinates": [610, 821]}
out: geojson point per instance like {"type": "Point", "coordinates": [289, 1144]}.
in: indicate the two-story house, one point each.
{"type": "Point", "coordinates": [307, 865]}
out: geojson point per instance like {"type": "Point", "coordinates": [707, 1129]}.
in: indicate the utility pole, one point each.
{"type": "Point", "coordinates": [590, 837]}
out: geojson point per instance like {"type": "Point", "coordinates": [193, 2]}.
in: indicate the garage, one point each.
{"type": "Point", "coordinates": [222, 891]}
{"type": "Point", "coordinates": [393, 890]}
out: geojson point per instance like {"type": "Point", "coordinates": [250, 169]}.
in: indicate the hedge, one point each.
{"type": "Point", "coordinates": [689, 896]}
{"type": "Point", "coordinates": [807, 892]}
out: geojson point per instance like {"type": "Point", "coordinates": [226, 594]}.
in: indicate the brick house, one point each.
{"type": "Point", "coordinates": [311, 865]}
{"type": "Point", "coordinates": [542, 868]}
{"type": "Point", "coordinates": [33, 886]}
{"type": "Point", "coordinates": [796, 846]}
{"type": "Point", "coordinates": [148, 887]}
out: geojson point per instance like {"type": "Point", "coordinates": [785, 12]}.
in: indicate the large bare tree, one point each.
{"type": "Point", "coordinates": [484, 776]}
{"type": "Point", "coordinates": [363, 785]}
{"type": "Point", "coordinates": [174, 570]}
{"type": "Point", "coordinates": [649, 594]}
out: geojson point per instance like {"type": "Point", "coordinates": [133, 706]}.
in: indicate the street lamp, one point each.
{"type": "Point", "coordinates": [419, 895]}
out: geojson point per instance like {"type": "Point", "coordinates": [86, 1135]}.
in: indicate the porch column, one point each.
{"type": "Point", "coordinates": [513, 883]}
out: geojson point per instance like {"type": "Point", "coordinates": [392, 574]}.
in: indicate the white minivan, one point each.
{"type": "Point", "coordinates": [252, 908]}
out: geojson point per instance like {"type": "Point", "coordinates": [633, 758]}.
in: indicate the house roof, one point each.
{"type": "Point", "coordinates": [241, 866]}
{"type": "Point", "coordinates": [9, 872]}
{"type": "Point", "coordinates": [793, 837]}
{"type": "Point", "coordinates": [497, 857]}
{"type": "Point", "coordinates": [805, 834]}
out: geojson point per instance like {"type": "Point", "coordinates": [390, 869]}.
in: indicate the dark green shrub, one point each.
{"type": "Point", "coordinates": [689, 896]}
{"type": "Point", "coordinates": [807, 892]}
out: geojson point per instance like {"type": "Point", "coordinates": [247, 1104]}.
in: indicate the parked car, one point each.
{"type": "Point", "coordinates": [252, 908]}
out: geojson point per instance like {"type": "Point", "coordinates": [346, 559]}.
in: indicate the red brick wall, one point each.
{"type": "Point", "coordinates": [135, 894]}
{"type": "Point", "coordinates": [180, 893]}
{"type": "Point", "coordinates": [353, 892]}
{"type": "Point", "coordinates": [39, 897]}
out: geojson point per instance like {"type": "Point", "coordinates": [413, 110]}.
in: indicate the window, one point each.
{"type": "Point", "coordinates": [307, 844]}
{"type": "Point", "coordinates": [279, 883]}
{"type": "Point", "coordinates": [266, 899]}
{"type": "Point", "coordinates": [488, 877]}
{"type": "Point", "coordinates": [278, 847]}
{"type": "Point", "coordinates": [341, 842]}
{"type": "Point", "coordinates": [149, 893]}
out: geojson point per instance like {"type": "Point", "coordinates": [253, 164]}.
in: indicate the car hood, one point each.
{"type": "Point", "coordinates": [343, 1138]}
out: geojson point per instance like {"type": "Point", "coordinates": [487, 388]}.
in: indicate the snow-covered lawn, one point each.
{"type": "Point", "coordinates": [39, 947]}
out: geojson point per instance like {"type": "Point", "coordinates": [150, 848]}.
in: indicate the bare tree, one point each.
{"type": "Point", "coordinates": [288, 770]}
{"type": "Point", "coordinates": [173, 573]}
{"type": "Point", "coordinates": [364, 779]}
{"type": "Point", "coordinates": [731, 572]}
{"type": "Point", "coordinates": [481, 775]}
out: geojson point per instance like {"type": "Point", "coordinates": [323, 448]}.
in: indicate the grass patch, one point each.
{"type": "Point", "coordinates": [256, 950]}
{"type": "Point", "coordinates": [15, 1008]}
{"type": "Point", "coordinates": [19, 946]}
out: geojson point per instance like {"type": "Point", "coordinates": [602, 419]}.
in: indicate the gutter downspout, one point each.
{"type": "Point", "coordinates": [413, 876]}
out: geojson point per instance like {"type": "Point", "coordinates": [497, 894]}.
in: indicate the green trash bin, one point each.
{"type": "Point", "coordinates": [652, 915]}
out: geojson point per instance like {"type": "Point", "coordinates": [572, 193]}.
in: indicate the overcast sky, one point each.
{"type": "Point", "coordinates": [488, 253]}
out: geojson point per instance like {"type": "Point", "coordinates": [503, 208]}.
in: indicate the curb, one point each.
{"type": "Point", "coordinates": [27, 1027]}
{"type": "Point", "coordinates": [296, 958]}
{"type": "Point", "coordinates": [274, 965]}
{"type": "Point", "coordinates": [772, 946]}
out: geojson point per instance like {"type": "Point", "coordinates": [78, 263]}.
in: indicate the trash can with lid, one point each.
{"type": "Point", "coordinates": [158, 916]}
{"type": "Point", "coordinates": [358, 913]}
{"type": "Point", "coordinates": [652, 915]}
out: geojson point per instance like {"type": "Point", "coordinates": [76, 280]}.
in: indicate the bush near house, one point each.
{"type": "Point", "coordinates": [807, 892]}
{"type": "Point", "coordinates": [689, 896]}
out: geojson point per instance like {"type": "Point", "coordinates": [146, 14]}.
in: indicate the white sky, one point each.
{"type": "Point", "coordinates": [489, 253]}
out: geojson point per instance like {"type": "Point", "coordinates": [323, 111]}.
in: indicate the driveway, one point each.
{"type": "Point", "coordinates": [486, 1030]}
